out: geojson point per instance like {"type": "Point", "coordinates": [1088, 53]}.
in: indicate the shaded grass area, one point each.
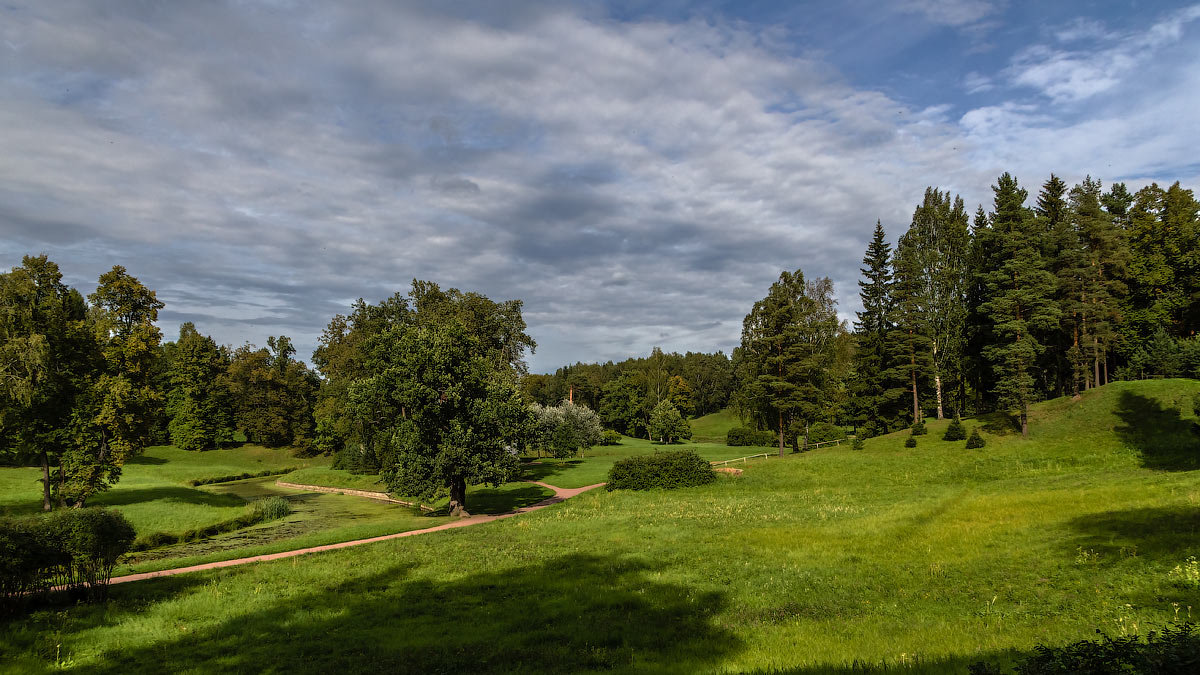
{"type": "Point", "coordinates": [153, 492]}
{"type": "Point", "coordinates": [835, 560]}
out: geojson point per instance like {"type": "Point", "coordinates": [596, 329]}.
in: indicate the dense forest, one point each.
{"type": "Point", "coordinates": [963, 315]}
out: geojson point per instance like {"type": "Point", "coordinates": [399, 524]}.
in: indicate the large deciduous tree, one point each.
{"type": "Point", "coordinates": [46, 355]}
{"type": "Point", "coordinates": [273, 394]}
{"type": "Point", "coordinates": [199, 403]}
{"type": "Point", "coordinates": [116, 415]}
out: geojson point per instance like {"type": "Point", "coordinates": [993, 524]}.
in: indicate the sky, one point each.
{"type": "Point", "coordinates": [638, 173]}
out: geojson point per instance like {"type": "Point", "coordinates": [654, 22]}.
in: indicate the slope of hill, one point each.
{"type": "Point", "coordinates": [924, 559]}
{"type": "Point", "coordinates": [711, 428]}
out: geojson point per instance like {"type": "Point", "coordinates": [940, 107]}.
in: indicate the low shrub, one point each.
{"type": "Point", "coordinates": [956, 431]}
{"type": "Point", "coordinates": [859, 443]}
{"type": "Point", "coordinates": [910, 442]}
{"type": "Point", "coordinates": [1172, 650]}
{"type": "Point", "coordinates": [241, 476]}
{"type": "Point", "coordinates": [72, 549]}
{"type": "Point", "coordinates": [823, 432]}
{"type": "Point", "coordinates": [271, 508]}
{"type": "Point", "coordinates": [610, 437]}
{"type": "Point", "coordinates": [975, 440]}
{"type": "Point", "coordinates": [918, 428]}
{"type": "Point", "coordinates": [741, 436]}
{"type": "Point", "coordinates": [674, 469]}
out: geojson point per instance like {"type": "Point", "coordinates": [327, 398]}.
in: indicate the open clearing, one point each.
{"type": "Point", "coordinates": [925, 559]}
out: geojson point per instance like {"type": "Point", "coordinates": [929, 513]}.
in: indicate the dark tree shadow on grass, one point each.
{"type": "Point", "coordinates": [146, 460]}
{"type": "Point", "coordinates": [1165, 440]}
{"type": "Point", "coordinates": [1157, 534]}
{"type": "Point", "coordinates": [124, 497]}
{"type": "Point", "coordinates": [569, 614]}
{"type": "Point", "coordinates": [547, 469]}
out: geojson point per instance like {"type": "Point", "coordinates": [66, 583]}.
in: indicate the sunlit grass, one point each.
{"type": "Point", "coordinates": [920, 559]}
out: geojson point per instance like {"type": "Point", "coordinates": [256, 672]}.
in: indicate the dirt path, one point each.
{"type": "Point", "coordinates": [560, 494]}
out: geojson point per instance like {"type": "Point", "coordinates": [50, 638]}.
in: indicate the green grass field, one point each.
{"type": "Point", "coordinates": [835, 560]}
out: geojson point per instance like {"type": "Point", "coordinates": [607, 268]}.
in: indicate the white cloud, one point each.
{"type": "Point", "coordinates": [950, 12]}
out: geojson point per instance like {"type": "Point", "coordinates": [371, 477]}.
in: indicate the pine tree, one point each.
{"type": "Point", "coordinates": [789, 345]}
{"type": "Point", "coordinates": [1101, 285]}
{"type": "Point", "coordinates": [1020, 299]}
{"type": "Point", "coordinates": [871, 330]}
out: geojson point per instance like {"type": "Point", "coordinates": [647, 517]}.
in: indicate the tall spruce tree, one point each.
{"type": "Point", "coordinates": [980, 328]}
{"type": "Point", "coordinates": [1060, 250]}
{"type": "Point", "coordinates": [874, 322]}
{"type": "Point", "coordinates": [910, 345]}
{"type": "Point", "coordinates": [1020, 300]}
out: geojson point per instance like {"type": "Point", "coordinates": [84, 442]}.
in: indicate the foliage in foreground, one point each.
{"type": "Point", "coordinates": [74, 549]}
{"type": "Point", "coordinates": [1174, 650]}
{"type": "Point", "coordinates": [675, 469]}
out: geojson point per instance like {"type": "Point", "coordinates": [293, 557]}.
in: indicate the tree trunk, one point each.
{"type": "Point", "coordinates": [458, 497]}
{"type": "Point", "coordinates": [1096, 358]}
{"type": "Point", "coordinates": [1105, 367]}
{"type": "Point", "coordinates": [937, 383]}
{"type": "Point", "coordinates": [916, 404]}
{"type": "Point", "coordinates": [781, 433]}
{"type": "Point", "coordinates": [45, 482]}
{"type": "Point", "coordinates": [1024, 421]}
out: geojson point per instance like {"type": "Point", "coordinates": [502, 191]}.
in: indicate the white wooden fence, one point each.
{"type": "Point", "coordinates": [763, 455]}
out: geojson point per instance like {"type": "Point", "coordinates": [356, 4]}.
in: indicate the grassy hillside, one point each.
{"type": "Point", "coordinates": [922, 559]}
{"type": "Point", "coordinates": [712, 427]}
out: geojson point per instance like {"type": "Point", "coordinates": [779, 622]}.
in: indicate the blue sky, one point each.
{"type": "Point", "coordinates": [637, 172]}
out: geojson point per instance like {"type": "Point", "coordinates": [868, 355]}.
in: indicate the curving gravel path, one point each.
{"type": "Point", "coordinates": [560, 494]}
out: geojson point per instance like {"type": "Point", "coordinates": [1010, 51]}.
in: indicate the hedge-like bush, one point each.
{"type": "Point", "coordinates": [72, 549]}
{"type": "Point", "coordinates": [956, 431]}
{"type": "Point", "coordinates": [918, 428]}
{"type": "Point", "coordinates": [610, 437]}
{"type": "Point", "coordinates": [748, 436]}
{"type": "Point", "coordinates": [859, 443]}
{"type": "Point", "coordinates": [240, 476]}
{"type": "Point", "coordinates": [975, 440]}
{"type": "Point", "coordinates": [910, 442]}
{"type": "Point", "coordinates": [675, 469]}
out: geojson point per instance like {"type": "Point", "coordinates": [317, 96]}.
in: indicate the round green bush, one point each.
{"type": "Point", "coordinates": [918, 428]}
{"type": "Point", "coordinates": [859, 444]}
{"type": "Point", "coordinates": [610, 438]}
{"type": "Point", "coordinates": [910, 442]}
{"type": "Point", "coordinates": [667, 470]}
{"type": "Point", "coordinates": [823, 432]}
{"type": "Point", "coordinates": [975, 440]}
{"type": "Point", "coordinates": [956, 431]}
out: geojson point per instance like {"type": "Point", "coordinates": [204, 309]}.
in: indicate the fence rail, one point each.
{"type": "Point", "coordinates": [764, 455]}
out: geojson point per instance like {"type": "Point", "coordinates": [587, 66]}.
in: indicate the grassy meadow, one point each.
{"type": "Point", "coordinates": [835, 560]}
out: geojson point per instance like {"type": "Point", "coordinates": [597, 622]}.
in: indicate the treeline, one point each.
{"type": "Point", "coordinates": [627, 393]}
{"type": "Point", "coordinates": [87, 384]}
{"type": "Point", "coordinates": [1025, 302]}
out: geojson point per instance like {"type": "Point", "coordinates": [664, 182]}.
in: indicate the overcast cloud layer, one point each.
{"type": "Point", "coordinates": [637, 178]}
